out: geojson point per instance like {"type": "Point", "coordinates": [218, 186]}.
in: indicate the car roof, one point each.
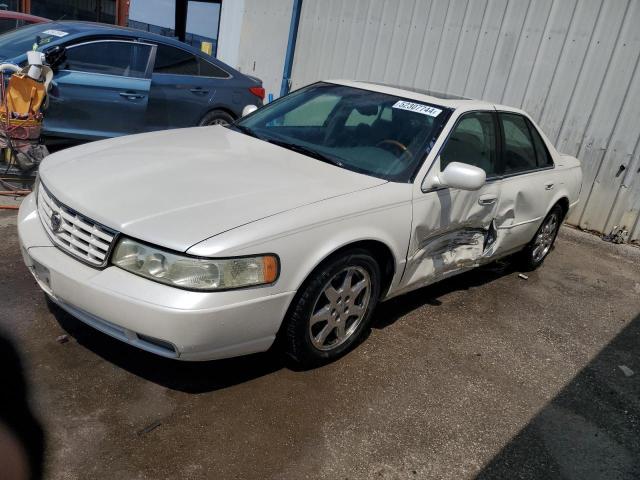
{"type": "Point", "coordinates": [79, 29]}
{"type": "Point", "coordinates": [428, 96]}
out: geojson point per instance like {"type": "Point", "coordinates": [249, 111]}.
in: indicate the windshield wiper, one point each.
{"type": "Point", "coordinates": [305, 151]}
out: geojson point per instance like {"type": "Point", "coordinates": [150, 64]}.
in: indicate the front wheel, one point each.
{"type": "Point", "coordinates": [331, 313]}
{"type": "Point", "coordinates": [539, 247]}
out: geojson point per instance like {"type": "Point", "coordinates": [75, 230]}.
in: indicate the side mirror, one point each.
{"type": "Point", "coordinates": [462, 176]}
{"type": "Point", "coordinates": [248, 110]}
{"type": "Point", "coordinates": [55, 56]}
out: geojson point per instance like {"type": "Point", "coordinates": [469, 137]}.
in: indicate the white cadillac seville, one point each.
{"type": "Point", "coordinates": [294, 222]}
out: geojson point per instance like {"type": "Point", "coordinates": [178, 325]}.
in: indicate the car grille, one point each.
{"type": "Point", "coordinates": [74, 233]}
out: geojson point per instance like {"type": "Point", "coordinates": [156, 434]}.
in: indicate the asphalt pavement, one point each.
{"type": "Point", "coordinates": [487, 375]}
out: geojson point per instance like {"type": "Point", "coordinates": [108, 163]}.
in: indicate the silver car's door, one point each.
{"type": "Point", "coordinates": [529, 182]}
{"type": "Point", "coordinates": [453, 229]}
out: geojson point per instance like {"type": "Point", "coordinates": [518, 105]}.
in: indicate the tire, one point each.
{"type": "Point", "coordinates": [532, 256]}
{"type": "Point", "coordinates": [322, 324]}
{"type": "Point", "coordinates": [216, 117]}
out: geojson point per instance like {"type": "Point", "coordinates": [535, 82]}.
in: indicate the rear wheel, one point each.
{"type": "Point", "coordinates": [216, 117]}
{"type": "Point", "coordinates": [332, 311]}
{"type": "Point", "coordinates": [539, 247]}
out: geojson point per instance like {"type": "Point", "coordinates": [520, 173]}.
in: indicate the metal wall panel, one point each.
{"type": "Point", "coordinates": [572, 64]}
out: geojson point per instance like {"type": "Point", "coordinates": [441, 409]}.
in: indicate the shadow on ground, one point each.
{"type": "Point", "coordinates": [590, 430]}
{"type": "Point", "coordinates": [200, 377]}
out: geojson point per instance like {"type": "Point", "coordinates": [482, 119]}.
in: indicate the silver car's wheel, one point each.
{"type": "Point", "coordinates": [539, 247]}
{"type": "Point", "coordinates": [332, 310]}
{"type": "Point", "coordinates": [340, 308]}
{"type": "Point", "coordinates": [545, 237]}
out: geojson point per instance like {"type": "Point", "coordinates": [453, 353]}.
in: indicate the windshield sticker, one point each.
{"type": "Point", "coordinates": [418, 108]}
{"type": "Point", "coordinates": [55, 33]}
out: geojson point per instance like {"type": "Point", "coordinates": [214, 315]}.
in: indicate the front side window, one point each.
{"type": "Point", "coordinates": [472, 141]}
{"type": "Point", "coordinates": [125, 59]}
{"type": "Point", "coordinates": [519, 154]}
{"type": "Point", "coordinates": [360, 130]}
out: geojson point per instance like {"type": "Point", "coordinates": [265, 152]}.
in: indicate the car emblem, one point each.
{"type": "Point", "coordinates": [56, 222]}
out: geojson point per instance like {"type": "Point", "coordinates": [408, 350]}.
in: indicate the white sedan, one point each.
{"type": "Point", "coordinates": [295, 221]}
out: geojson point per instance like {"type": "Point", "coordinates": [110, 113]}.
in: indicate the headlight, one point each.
{"type": "Point", "coordinates": [194, 273]}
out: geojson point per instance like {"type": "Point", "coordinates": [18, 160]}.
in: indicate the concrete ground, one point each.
{"type": "Point", "coordinates": [484, 376]}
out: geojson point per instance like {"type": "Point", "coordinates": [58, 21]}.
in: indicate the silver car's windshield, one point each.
{"type": "Point", "coordinates": [368, 132]}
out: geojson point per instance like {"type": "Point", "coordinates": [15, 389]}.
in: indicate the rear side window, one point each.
{"type": "Point", "coordinates": [175, 61]}
{"type": "Point", "coordinates": [543, 157]}
{"type": "Point", "coordinates": [472, 141]}
{"type": "Point", "coordinates": [519, 153]}
{"type": "Point", "coordinates": [208, 69]}
{"type": "Point", "coordinates": [125, 59]}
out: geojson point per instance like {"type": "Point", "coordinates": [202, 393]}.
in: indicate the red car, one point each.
{"type": "Point", "coordinates": [12, 20]}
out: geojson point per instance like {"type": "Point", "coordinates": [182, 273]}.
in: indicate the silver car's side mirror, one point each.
{"type": "Point", "coordinates": [462, 176]}
{"type": "Point", "coordinates": [248, 109]}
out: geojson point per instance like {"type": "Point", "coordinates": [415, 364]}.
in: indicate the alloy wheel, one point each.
{"type": "Point", "coordinates": [545, 237]}
{"type": "Point", "coordinates": [340, 308]}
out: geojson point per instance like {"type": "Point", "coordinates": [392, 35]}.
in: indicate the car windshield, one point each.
{"type": "Point", "coordinates": [20, 41]}
{"type": "Point", "coordinates": [361, 130]}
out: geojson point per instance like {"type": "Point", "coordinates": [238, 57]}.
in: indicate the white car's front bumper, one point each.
{"type": "Point", "coordinates": [164, 320]}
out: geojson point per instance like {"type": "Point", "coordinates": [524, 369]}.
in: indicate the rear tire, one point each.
{"type": "Point", "coordinates": [532, 256]}
{"type": "Point", "coordinates": [216, 117]}
{"type": "Point", "coordinates": [331, 312]}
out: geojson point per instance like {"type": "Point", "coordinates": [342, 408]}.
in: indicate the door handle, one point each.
{"type": "Point", "coordinates": [548, 186]}
{"type": "Point", "coordinates": [131, 95]}
{"type": "Point", "coordinates": [487, 199]}
{"type": "Point", "coordinates": [199, 90]}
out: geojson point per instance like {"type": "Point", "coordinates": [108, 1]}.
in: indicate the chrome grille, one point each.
{"type": "Point", "coordinates": [74, 233]}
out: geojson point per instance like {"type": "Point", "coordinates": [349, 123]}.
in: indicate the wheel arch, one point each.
{"type": "Point", "coordinates": [215, 108]}
{"type": "Point", "coordinates": [379, 250]}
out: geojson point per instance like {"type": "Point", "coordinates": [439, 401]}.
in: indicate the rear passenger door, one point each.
{"type": "Point", "coordinates": [528, 185]}
{"type": "Point", "coordinates": [183, 85]}
{"type": "Point", "coordinates": [101, 90]}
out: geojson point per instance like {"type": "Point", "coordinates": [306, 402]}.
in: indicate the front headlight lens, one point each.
{"type": "Point", "coordinates": [194, 273]}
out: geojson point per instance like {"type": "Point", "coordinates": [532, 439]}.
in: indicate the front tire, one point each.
{"type": "Point", "coordinates": [539, 247]}
{"type": "Point", "coordinates": [332, 311]}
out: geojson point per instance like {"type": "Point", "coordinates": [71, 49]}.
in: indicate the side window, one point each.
{"type": "Point", "coordinates": [312, 113]}
{"type": "Point", "coordinates": [519, 154]}
{"type": "Point", "coordinates": [175, 61]}
{"type": "Point", "coordinates": [208, 69]}
{"type": "Point", "coordinates": [543, 156]}
{"type": "Point", "coordinates": [472, 141]}
{"type": "Point", "coordinates": [125, 59]}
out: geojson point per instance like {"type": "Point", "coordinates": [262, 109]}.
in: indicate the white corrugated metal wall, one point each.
{"type": "Point", "coordinates": [572, 64]}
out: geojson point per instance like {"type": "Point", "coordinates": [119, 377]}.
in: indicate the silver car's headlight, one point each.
{"type": "Point", "coordinates": [194, 273]}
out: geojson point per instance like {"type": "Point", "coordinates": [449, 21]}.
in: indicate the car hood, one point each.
{"type": "Point", "coordinates": [179, 187]}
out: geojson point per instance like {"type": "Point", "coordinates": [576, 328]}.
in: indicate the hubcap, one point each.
{"type": "Point", "coordinates": [340, 308]}
{"type": "Point", "coordinates": [544, 238]}
{"type": "Point", "coordinates": [219, 121]}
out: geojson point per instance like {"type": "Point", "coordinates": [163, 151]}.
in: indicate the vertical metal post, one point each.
{"type": "Point", "coordinates": [291, 47]}
{"type": "Point", "coordinates": [181, 20]}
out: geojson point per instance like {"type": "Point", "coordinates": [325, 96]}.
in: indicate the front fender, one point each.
{"type": "Point", "coordinates": [305, 236]}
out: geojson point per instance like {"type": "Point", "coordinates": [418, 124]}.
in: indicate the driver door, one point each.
{"type": "Point", "coordinates": [453, 229]}
{"type": "Point", "coordinates": [101, 90]}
